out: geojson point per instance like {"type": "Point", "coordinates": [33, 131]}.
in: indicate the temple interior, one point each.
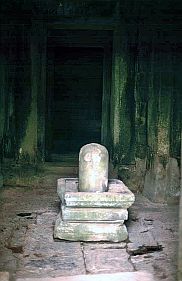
{"type": "Point", "coordinates": [75, 72]}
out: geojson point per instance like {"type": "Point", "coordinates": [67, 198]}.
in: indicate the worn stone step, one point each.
{"type": "Point", "coordinates": [120, 276]}
{"type": "Point", "coordinates": [88, 231]}
{"type": "Point", "coordinates": [93, 214]}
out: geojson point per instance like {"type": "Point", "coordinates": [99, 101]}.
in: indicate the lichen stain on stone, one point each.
{"type": "Point", "coordinates": [120, 80]}
{"type": "Point", "coordinates": [163, 141]}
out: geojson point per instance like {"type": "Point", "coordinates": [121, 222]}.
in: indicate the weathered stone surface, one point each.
{"type": "Point", "coordinates": [93, 168]}
{"type": "Point", "coordinates": [1, 178]}
{"type": "Point", "coordinates": [86, 231]}
{"type": "Point", "coordinates": [66, 184]}
{"type": "Point", "coordinates": [93, 214]}
{"type": "Point", "coordinates": [172, 178]}
{"type": "Point", "coordinates": [16, 242]}
{"type": "Point", "coordinates": [101, 260]}
{"type": "Point", "coordinates": [140, 235]}
{"type": "Point", "coordinates": [162, 181]}
{"type": "Point", "coordinates": [4, 276]}
{"type": "Point", "coordinates": [104, 199]}
{"type": "Point", "coordinates": [8, 260]}
{"type": "Point", "coordinates": [118, 195]}
{"type": "Point", "coordinates": [155, 183]}
{"type": "Point", "coordinates": [133, 175]}
{"type": "Point", "coordinates": [123, 276]}
{"type": "Point", "coordinates": [43, 257]}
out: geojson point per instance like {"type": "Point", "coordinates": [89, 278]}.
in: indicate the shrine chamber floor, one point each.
{"type": "Point", "coordinates": [28, 250]}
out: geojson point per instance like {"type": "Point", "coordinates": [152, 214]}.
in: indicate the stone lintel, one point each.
{"type": "Point", "coordinates": [93, 214]}
{"type": "Point", "coordinates": [87, 231]}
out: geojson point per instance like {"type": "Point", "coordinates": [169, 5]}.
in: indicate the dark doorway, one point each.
{"type": "Point", "coordinates": [74, 99]}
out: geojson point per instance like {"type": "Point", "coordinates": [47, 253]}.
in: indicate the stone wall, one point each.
{"type": "Point", "coordinates": [146, 109]}
{"type": "Point", "coordinates": [145, 103]}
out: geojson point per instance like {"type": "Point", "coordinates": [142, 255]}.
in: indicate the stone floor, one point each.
{"type": "Point", "coordinates": [27, 248]}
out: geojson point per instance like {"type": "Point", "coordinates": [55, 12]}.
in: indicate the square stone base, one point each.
{"type": "Point", "coordinates": [90, 231]}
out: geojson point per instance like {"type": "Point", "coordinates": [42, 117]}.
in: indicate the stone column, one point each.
{"type": "Point", "coordinates": [93, 168]}
{"type": "Point", "coordinates": [28, 147]}
{"type": "Point", "coordinates": [105, 127]}
{"type": "Point", "coordinates": [122, 99]}
{"type": "Point", "coordinates": [32, 146]}
{"type": "Point", "coordinates": [3, 91]}
{"type": "Point", "coordinates": [162, 176]}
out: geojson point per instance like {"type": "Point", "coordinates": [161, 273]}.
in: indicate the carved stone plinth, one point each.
{"type": "Point", "coordinates": [93, 216]}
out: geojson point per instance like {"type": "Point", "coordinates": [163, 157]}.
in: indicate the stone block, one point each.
{"type": "Point", "coordinates": [100, 200]}
{"type": "Point", "coordinates": [93, 214]}
{"type": "Point", "coordinates": [107, 260]}
{"type": "Point", "coordinates": [118, 195]}
{"type": "Point", "coordinates": [88, 231]}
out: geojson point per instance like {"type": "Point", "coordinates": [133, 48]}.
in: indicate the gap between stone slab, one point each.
{"type": "Point", "coordinates": [84, 260]}
{"type": "Point", "coordinates": [144, 249]}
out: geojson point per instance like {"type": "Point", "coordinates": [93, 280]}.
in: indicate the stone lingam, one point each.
{"type": "Point", "coordinates": [93, 208]}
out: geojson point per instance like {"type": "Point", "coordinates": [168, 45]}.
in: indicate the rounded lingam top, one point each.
{"type": "Point", "coordinates": [93, 168]}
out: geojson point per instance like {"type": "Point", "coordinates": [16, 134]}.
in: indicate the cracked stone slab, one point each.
{"type": "Point", "coordinates": [118, 195]}
{"type": "Point", "coordinates": [93, 214]}
{"type": "Point", "coordinates": [100, 260]}
{"type": "Point", "coordinates": [88, 231]}
{"type": "Point", "coordinates": [43, 256]}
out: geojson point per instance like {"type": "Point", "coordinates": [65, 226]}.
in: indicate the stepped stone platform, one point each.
{"type": "Point", "coordinates": [92, 216]}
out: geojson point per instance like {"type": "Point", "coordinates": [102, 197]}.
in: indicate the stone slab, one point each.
{"type": "Point", "coordinates": [140, 234]}
{"type": "Point", "coordinates": [118, 195]}
{"type": "Point", "coordinates": [103, 260]}
{"type": "Point", "coordinates": [121, 276]}
{"type": "Point", "coordinates": [43, 256]}
{"type": "Point", "coordinates": [93, 214]}
{"type": "Point", "coordinates": [87, 231]}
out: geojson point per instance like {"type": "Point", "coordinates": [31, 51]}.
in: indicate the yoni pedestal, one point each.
{"type": "Point", "coordinates": [93, 208]}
